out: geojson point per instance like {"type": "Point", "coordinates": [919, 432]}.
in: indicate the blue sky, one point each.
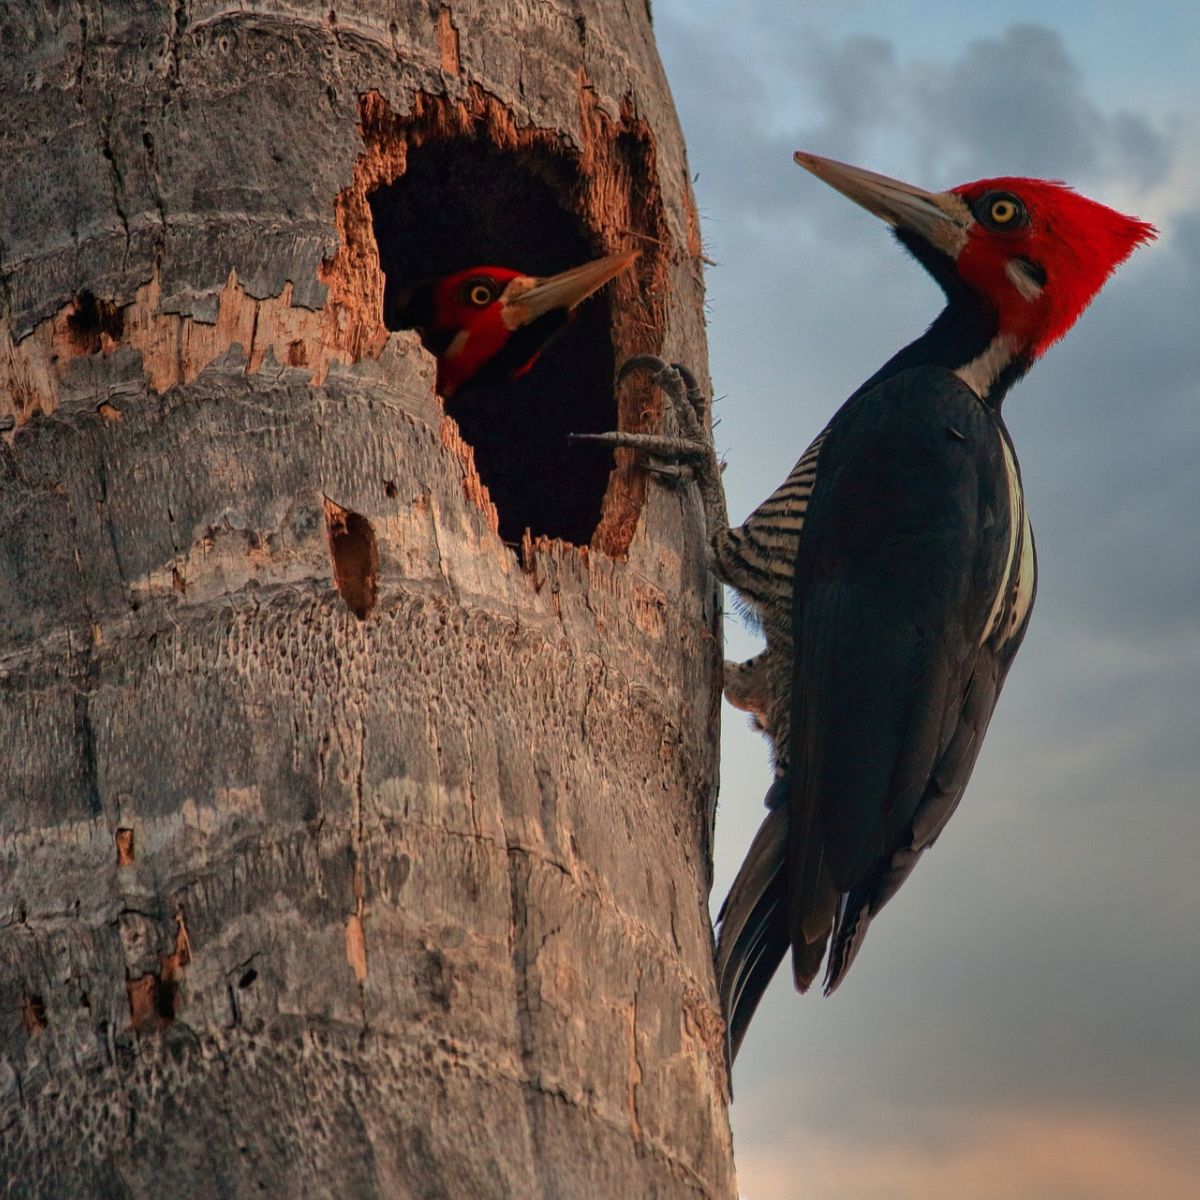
{"type": "Point", "coordinates": [1024, 1021]}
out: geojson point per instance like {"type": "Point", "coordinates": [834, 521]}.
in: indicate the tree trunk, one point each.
{"type": "Point", "coordinates": [358, 761]}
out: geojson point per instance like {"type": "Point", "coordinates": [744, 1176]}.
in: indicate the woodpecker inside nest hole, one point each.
{"type": "Point", "coordinates": [463, 203]}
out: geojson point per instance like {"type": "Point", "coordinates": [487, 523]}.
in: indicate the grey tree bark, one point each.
{"type": "Point", "coordinates": [346, 849]}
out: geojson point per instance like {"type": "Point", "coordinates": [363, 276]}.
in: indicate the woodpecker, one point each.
{"type": "Point", "coordinates": [488, 324]}
{"type": "Point", "coordinates": [893, 571]}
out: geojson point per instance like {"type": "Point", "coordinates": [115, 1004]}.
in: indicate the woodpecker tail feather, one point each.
{"type": "Point", "coordinates": [754, 931]}
{"type": "Point", "coordinates": [850, 928]}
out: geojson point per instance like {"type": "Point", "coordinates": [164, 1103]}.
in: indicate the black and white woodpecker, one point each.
{"type": "Point", "coordinates": [893, 571]}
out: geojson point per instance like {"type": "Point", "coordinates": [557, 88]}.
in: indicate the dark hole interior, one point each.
{"type": "Point", "coordinates": [93, 317]}
{"type": "Point", "coordinates": [34, 1013]}
{"type": "Point", "coordinates": [166, 998]}
{"type": "Point", "coordinates": [463, 203]}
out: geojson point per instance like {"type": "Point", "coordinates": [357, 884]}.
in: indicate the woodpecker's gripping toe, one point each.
{"type": "Point", "coordinates": [684, 456]}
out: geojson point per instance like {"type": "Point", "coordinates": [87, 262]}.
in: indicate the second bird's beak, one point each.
{"type": "Point", "coordinates": [562, 292]}
{"type": "Point", "coordinates": [941, 218]}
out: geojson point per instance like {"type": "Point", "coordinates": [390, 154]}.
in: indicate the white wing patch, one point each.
{"type": "Point", "coordinates": [1017, 524]}
{"type": "Point", "coordinates": [1026, 574]}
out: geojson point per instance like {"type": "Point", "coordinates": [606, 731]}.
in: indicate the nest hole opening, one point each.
{"type": "Point", "coordinates": [463, 202]}
{"type": "Point", "coordinates": [33, 1013]}
{"type": "Point", "coordinates": [153, 1000]}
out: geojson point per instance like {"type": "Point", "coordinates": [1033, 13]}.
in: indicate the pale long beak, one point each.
{"type": "Point", "coordinates": [942, 218]}
{"type": "Point", "coordinates": [561, 292]}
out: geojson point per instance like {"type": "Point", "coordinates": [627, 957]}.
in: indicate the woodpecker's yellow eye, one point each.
{"type": "Point", "coordinates": [1000, 210]}
{"type": "Point", "coordinates": [480, 295]}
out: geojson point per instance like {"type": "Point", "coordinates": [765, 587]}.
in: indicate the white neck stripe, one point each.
{"type": "Point", "coordinates": [981, 373]}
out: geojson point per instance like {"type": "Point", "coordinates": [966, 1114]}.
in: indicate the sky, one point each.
{"type": "Point", "coordinates": [1023, 1022]}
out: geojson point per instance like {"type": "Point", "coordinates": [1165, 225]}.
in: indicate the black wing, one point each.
{"type": "Point", "coordinates": [908, 543]}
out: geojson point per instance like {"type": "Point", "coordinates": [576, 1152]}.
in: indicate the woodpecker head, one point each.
{"type": "Point", "coordinates": [1030, 254]}
{"type": "Point", "coordinates": [491, 323]}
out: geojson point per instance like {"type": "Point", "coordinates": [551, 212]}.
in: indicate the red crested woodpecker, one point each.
{"type": "Point", "coordinates": [893, 571]}
{"type": "Point", "coordinates": [488, 324]}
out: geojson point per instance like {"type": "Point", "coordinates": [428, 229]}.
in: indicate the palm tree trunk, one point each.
{"type": "Point", "coordinates": [358, 763]}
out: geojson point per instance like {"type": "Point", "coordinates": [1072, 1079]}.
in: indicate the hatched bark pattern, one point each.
{"type": "Point", "coordinates": [296, 901]}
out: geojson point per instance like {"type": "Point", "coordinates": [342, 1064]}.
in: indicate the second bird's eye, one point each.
{"type": "Point", "coordinates": [1001, 211]}
{"type": "Point", "coordinates": [480, 295]}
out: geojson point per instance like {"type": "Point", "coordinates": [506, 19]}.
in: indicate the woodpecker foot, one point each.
{"type": "Point", "coordinates": [686, 455]}
{"type": "Point", "coordinates": [683, 390]}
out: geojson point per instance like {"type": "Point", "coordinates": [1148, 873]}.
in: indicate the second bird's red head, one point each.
{"type": "Point", "coordinates": [488, 324]}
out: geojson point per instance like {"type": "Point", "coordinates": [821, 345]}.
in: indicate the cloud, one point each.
{"type": "Point", "coordinates": [857, 83]}
{"type": "Point", "coordinates": [1012, 103]}
{"type": "Point", "coordinates": [741, 165]}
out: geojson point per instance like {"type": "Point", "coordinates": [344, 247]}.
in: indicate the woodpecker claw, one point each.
{"type": "Point", "coordinates": [641, 362]}
{"type": "Point", "coordinates": [689, 454]}
{"type": "Point", "coordinates": [680, 384]}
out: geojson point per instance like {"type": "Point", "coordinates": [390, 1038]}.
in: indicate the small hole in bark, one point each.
{"type": "Point", "coordinates": [354, 556]}
{"type": "Point", "coordinates": [92, 321]}
{"type": "Point", "coordinates": [166, 999]}
{"type": "Point", "coordinates": [33, 1014]}
{"type": "Point", "coordinates": [462, 202]}
{"type": "Point", "coordinates": [152, 1001]}
{"type": "Point", "coordinates": [125, 849]}
{"type": "Point", "coordinates": [248, 977]}
{"type": "Point", "coordinates": [389, 489]}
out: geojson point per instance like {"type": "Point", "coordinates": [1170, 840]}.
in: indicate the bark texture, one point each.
{"type": "Point", "coordinates": [345, 850]}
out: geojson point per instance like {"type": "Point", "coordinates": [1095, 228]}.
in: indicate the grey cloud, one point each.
{"type": "Point", "coordinates": [858, 84]}
{"type": "Point", "coordinates": [741, 165]}
{"type": "Point", "coordinates": [1138, 149]}
{"type": "Point", "coordinates": [1012, 104]}
{"type": "Point", "coordinates": [1016, 104]}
